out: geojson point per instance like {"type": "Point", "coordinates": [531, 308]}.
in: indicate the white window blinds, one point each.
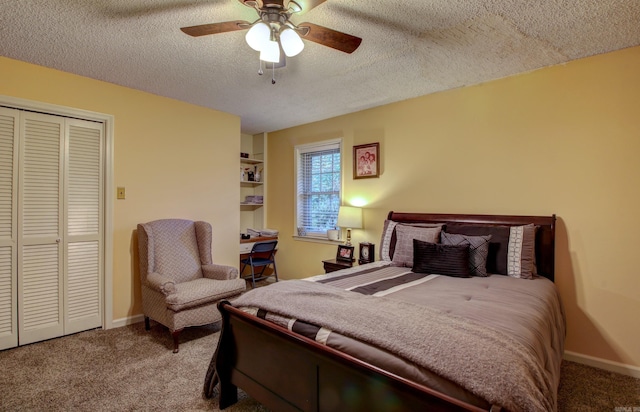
{"type": "Point", "coordinates": [319, 181]}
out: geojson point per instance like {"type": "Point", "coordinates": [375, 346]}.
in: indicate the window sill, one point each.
{"type": "Point", "coordinates": [318, 239]}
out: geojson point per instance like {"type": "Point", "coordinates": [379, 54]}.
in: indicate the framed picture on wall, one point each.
{"type": "Point", "coordinates": [366, 161]}
{"type": "Point", "coordinates": [345, 253]}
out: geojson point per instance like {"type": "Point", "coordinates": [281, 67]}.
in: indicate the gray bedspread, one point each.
{"type": "Point", "coordinates": [499, 338]}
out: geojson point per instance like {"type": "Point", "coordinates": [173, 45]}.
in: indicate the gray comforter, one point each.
{"type": "Point", "coordinates": [499, 338]}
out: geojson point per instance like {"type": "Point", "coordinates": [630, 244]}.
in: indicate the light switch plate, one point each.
{"type": "Point", "coordinates": [121, 193]}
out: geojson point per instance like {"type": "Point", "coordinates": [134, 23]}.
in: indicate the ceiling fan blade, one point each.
{"type": "Point", "coordinates": [307, 5]}
{"type": "Point", "coordinates": [215, 28]}
{"type": "Point", "coordinates": [331, 38]}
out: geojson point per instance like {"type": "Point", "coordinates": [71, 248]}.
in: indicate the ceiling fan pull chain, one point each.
{"type": "Point", "coordinates": [273, 74]}
{"type": "Point", "coordinates": [260, 72]}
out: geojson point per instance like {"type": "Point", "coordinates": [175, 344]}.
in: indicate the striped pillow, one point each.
{"type": "Point", "coordinates": [439, 259]}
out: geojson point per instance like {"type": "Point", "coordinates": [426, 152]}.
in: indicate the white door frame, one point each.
{"type": "Point", "coordinates": [108, 121]}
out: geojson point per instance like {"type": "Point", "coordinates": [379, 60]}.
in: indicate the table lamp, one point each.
{"type": "Point", "coordinates": [351, 218]}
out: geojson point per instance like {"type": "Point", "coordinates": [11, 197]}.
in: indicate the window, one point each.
{"type": "Point", "coordinates": [318, 182]}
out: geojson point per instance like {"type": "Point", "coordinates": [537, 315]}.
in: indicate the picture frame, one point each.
{"type": "Point", "coordinates": [366, 253]}
{"type": "Point", "coordinates": [345, 253]}
{"type": "Point", "coordinates": [366, 161]}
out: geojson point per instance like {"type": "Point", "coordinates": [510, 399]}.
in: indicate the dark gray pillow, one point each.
{"type": "Point", "coordinates": [498, 246]}
{"type": "Point", "coordinates": [478, 250]}
{"type": "Point", "coordinates": [450, 260]}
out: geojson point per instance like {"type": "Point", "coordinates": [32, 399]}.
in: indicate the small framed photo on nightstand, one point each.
{"type": "Point", "coordinates": [345, 253]}
{"type": "Point", "coordinates": [367, 253]}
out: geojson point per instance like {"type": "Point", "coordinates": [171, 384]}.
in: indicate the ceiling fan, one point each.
{"type": "Point", "coordinates": [275, 36]}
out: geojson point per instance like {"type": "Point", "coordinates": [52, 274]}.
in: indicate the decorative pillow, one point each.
{"type": "Point", "coordinates": [507, 244]}
{"type": "Point", "coordinates": [403, 254]}
{"type": "Point", "coordinates": [520, 256]}
{"type": "Point", "coordinates": [478, 250]}
{"type": "Point", "coordinates": [497, 256]}
{"type": "Point", "coordinates": [450, 260]}
{"type": "Point", "coordinates": [390, 237]}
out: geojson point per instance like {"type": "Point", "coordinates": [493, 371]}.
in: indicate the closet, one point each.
{"type": "Point", "coordinates": [51, 226]}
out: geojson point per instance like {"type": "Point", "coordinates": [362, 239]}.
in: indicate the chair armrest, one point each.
{"type": "Point", "coordinates": [219, 272]}
{"type": "Point", "coordinates": [161, 283]}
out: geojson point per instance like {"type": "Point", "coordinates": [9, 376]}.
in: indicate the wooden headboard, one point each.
{"type": "Point", "coordinates": [545, 233]}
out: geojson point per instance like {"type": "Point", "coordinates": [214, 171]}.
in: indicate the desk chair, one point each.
{"type": "Point", "coordinates": [262, 255]}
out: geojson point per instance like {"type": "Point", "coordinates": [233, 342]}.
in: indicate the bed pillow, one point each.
{"type": "Point", "coordinates": [511, 248]}
{"type": "Point", "coordinates": [439, 259]}
{"type": "Point", "coordinates": [389, 237]}
{"type": "Point", "coordinates": [478, 250]}
{"type": "Point", "coordinates": [521, 251]}
{"type": "Point", "coordinates": [403, 254]}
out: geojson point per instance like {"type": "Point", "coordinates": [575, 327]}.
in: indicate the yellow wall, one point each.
{"type": "Point", "coordinates": [173, 158]}
{"type": "Point", "coordinates": [561, 140]}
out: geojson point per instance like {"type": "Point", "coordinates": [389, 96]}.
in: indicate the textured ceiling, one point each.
{"type": "Point", "coordinates": [409, 49]}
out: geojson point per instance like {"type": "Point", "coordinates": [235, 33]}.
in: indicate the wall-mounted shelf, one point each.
{"type": "Point", "coordinates": [251, 161]}
{"type": "Point", "coordinates": [249, 183]}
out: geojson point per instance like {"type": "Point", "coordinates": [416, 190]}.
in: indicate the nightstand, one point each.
{"type": "Point", "coordinates": [332, 265]}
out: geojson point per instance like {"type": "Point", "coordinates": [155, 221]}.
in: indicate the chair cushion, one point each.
{"type": "Point", "coordinates": [202, 291]}
{"type": "Point", "coordinates": [175, 249]}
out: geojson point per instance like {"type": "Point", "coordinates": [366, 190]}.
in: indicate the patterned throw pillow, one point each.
{"type": "Point", "coordinates": [511, 249]}
{"type": "Point", "coordinates": [439, 259]}
{"type": "Point", "coordinates": [521, 251]}
{"type": "Point", "coordinates": [403, 254]}
{"type": "Point", "coordinates": [390, 236]}
{"type": "Point", "coordinates": [478, 250]}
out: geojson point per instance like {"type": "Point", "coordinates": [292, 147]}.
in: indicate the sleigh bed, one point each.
{"type": "Point", "coordinates": [459, 313]}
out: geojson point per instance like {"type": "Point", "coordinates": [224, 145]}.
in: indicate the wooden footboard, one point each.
{"type": "Point", "coordinates": [287, 372]}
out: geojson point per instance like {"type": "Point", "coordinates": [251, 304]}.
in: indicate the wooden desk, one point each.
{"type": "Point", "coordinates": [247, 244]}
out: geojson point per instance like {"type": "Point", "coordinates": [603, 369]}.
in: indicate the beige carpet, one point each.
{"type": "Point", "coordinates": [130, 369]}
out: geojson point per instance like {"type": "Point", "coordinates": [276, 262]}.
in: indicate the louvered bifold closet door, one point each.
{"type": "Point", "coordinates": [83, 236]}
{"type": "Point", "coordinates": [40, 217]}
{"type": "Point", "coordinates": [8, 227]}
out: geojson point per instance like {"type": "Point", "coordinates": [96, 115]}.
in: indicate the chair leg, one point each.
{"type": "Point", "coordinates": [175, 334]}
{"type": "Point", "coordinates": [275, 271]}
{"type": "Point", "coordinates": [147, 325]}
{"type": "Point", "coordinates": [253, 278]}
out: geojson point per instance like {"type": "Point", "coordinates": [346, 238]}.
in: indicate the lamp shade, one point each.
{"type": "Point", "coordinates": [258, 36]}
{"type": "Point", "coordinates": [291, 42]}
{"type": "Point", "coordinates": [350, 217]}
{"type": "Point", "coordinates": [270, 52]}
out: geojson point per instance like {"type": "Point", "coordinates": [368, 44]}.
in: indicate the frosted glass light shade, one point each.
{"type": "Point", "coordinates": [291, 42]}
{"type": "Point", "coordinates": [270, 52]}
{"type": "Point", "coordinates": [258, 36]}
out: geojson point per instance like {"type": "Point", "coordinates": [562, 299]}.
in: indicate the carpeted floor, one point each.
{"type": "Point", "coordinates": [130, 369]}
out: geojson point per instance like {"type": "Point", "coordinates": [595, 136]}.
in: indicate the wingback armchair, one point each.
{"type": "Point", "coordinates": [180, 284]}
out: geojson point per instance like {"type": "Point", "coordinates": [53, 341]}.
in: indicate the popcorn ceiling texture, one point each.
{"type": "Point", "coordinates": [409, 49]}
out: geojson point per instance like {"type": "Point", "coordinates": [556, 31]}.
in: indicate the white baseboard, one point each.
{"type": "Point", "coordinates": [607, 365]}
{"type": "Point", "coordinates": [130, 320]}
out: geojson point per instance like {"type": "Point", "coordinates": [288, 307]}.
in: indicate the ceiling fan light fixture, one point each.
{"type": "Point", "coordinates": [291, 42]}
{"type": "Point", "coordinates": [258, 36]}
{"type": "Point", "coordinates": [294, 7]}
{"type": "Point", "coordinates": [270, 52]}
